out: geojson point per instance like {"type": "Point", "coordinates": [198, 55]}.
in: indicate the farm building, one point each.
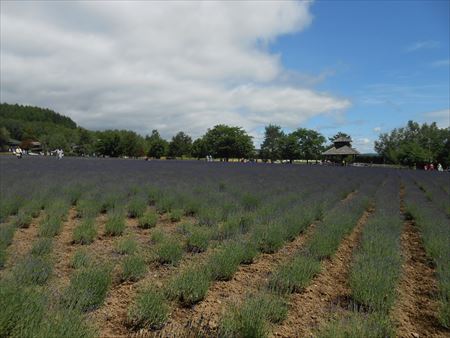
{"type": "Point", "coordinates": [341, 149]}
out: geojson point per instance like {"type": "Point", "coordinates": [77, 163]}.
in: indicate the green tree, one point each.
{"type": "Point", "coordinates": [310, 143]}
{"type": "Point", "coordinates": [272, 146]}
{"type": "Point", "coordinates": [199, 148]}
{"type": "Point", "coordinates": [4, 138]}
{"type": "Point", "coordinates": [108, 143]}
{"type": "Point", "coordinates": [339, 134]}
{"type": "Point", "coordinates": [157, 146]}
{"type": "Point", "coordinates": [415, 144]}
{"type": "Point", "coordinates": [180, 145]}
{"type": "Point", "coordinates": [227, 142]}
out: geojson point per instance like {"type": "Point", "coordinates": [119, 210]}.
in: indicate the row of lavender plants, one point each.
{"type": "Point", "coordinates": [375, 271]}
{"type": "Point", "coordinates": [433, 224]}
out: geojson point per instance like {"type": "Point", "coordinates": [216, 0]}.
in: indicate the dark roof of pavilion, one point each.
{"type": "Point", "coordinates": [345, 150]}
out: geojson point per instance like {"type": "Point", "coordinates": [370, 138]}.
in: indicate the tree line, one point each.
{"type": "Point", "coordinates": [413, 144]}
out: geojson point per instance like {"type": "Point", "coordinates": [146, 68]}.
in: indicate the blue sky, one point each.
{"type": "Point", "coordinates": [362, 67]}
{"type": "Point", "coordinates": [390, 58]}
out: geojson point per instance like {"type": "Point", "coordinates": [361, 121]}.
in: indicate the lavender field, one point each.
{"type": "Point", "coordinates": [114, 247]}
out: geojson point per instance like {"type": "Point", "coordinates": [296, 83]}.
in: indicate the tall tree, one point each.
{"type": "Point", "coordinates": [4, 138]}
{"type": "Point", "coordinates": [415, 144]}
{"type": "Point", "coordinates": [157, 146]}
{"type": "Point", "coordinates": [310, 143]}
{"type": "Point", "coordinates": [271, 148]}
{"type": "Point", "coordinates": [199, 148]}
{"type": "Point", "coordinates": [339, 134]}
{"type": "Point", "coordinates": [180, 145]}
{"type": "Point", "coordinates": [227, 142]}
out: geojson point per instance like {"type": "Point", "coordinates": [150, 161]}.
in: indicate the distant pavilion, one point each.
{"type": "Point", "coordinates": [341, 149]}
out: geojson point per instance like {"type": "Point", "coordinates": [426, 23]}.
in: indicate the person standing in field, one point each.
{"type": "Point", "coordinates": [439, 167]}
{"type": "Point", "coordinates": [18, 152]}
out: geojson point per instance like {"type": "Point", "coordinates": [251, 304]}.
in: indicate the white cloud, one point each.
{"type": "Point", "coordinates": [377, 129]}
{"type": "Point", "coordinates": [441, 63]}
{"type": "Point", "coordinates": [418, 45]}
{"type": "Point", "coordinates": [166, 65]}
{"type": "Point", "coordinates": [441, 117]}
{"type": "Point", "coordinates": [363, 145]}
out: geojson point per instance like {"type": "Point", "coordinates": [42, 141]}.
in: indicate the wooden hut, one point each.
{"type": "Point", "coordinates": [341, 149]}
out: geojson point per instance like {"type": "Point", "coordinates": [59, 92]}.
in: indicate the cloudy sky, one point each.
{"type": "Point", "coordinates": [358, 67]}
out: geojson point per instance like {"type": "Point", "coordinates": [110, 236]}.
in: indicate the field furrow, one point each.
{"type": "Point", "coordinates": [415, 311]}
{"type": "Point", "coordinates": [310, 308]}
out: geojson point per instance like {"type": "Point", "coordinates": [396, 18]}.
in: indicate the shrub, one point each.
{"type": "Point", "coordinates": [115, 225]}
{"type": "Point", "coordinates": [67, 323]}
{"type": "Point", "coordinates": [85, 232]}
{"type": "Point", "coordinates": [294, 275]}
{"type": "Point", "coordinates": [136, 207]}
{"type": "Point", "coordinates": [74, 193]}
{"type": "Point", "coordinates": [21, 309]}
{"type": "Point", "coordinates": [224, 262]}
{"type": "Point", "coordinates": [88, 288]}
{"type": "Point", "coordinates": [251, 317]}
{"type": "Point", "coordinates": [190, 286]}
{"type": "Point", "coordinates": [269, 237]}
{"type": "Point", "coordinates": [209, 216]}
{"type": "Point", "coordinates": [164, 204]}
{"type": "Point", "coordinates": [81, 259]}
{"type": "Point", "coordinates": [246, 251]}
{"type": "Point", "coordinates": [191, 207]}
{"type": "Point", "coordinates": [32, 270]}
{"type": "Point", "coordinates": [198, 239]}
{"type": "Point", "coordinates": [23, 219]}
{"type": "Point", "coordinates": [169, 251]}
{"type": "Point", "coordinates": [175, 215]}
{"type": "Point", "coordinates": [50, 226]}
{"type": "Point", "coordinates": [42, 246]}
{"type": "Point", "coordinates": [150, 310]}
{"type": "Point", "coordinates": [2, 256]}
{"type": "Point", "coordinates": [88, 208]}
{"type": "Point", "coordinates": [33, 207]}
{"type": "Point", "coordinates": [371, 325]}
{"type": "Point", "coordinates": [6, 234]}
{"type": "Point", "coordinates": [148, 220]}
{"type": "Point", "coordinates": [109, 202]}
{"type": "Point", "coordinates": [158, 236]}
{"type": "Point", "coordinates": [133, 268]}
{"type": "Point", "coordinates": [126, 246]}
{"type": "Point", "coordinates": [249, 201]}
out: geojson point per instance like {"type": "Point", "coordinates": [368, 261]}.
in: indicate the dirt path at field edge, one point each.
{"type": "Point", "coordinates": [312, 308]}
{"type": "Point", "coordinates": [415, 312]}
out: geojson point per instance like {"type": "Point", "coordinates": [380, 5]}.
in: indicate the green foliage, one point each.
{"type": "Point", "coordinates": [50, 227]}
{"type": "Point", "coordinates": [116, 143]}
{"type": "Point", "coordinates": [133, 268]}
{"type": "Point", "coordinates": [169, 251]}
{"type": "Point", "coordinates": [157, 146]}
{"type": "Point", "coordinates": [127, 246]}
{"type": "Point", "coordinates": [22, 220]}
{"type": "Point", "coordinates": [3, 255]}
{"type": "Point", "coordinates": [150, 310]}
{"type": "Point", "coordinates": [22, 309]}
{"type": "Point", "coordinates": [228, 142]}
{"type": "Point", "coordinates": [377, 264]}
{"type": "Point", "coordinates": [272, 146]}
{"type": "Point", "coordinates": [33, 207]}
{"type": "Point", "coordinates": [81, 259]}
{"type": "Point", "coordinates": [371, 325]}
{"type": "Point", "coordinates": [250, 319]}
{"type": "Point", "coordinates": [269, 237]}
{"type": "Point", "coordinates": [224, 262]}
{"type": "Point", "coordinates": [85, 232]}
{"type": "Point", "coordinates": [6, 234]}
{"type": "Point", "coordinates": [180, 145]}
{"type": "Point", "coordinates": [42, 247]}
{"type": "Point", "coordinates": [190, 285]}
{"type": "Point", "coordinates": [88, 288]}
{"type": "Point", "coordinates": [115, 225]}
{"type": "Point", "coordinates": [32, 270]}
{"type": "Point", "coordinates": [148, 220]}
{"type": "Point", "coordinates": [415, 144]}
{"type": "Point", "coordinates": [136, 207]}
{"type": "Point", "coordinates": [175, 215]}
{"type": "Point", "coordinates": [295, 275]}
{"type": "Point", "coordinates": [88, 208]}
{"type": "Point", "coordinates": [198, 239]}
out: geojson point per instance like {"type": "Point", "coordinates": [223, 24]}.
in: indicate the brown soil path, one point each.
{"type": "Point", "coordinates": [415, 311]}
{"type": "Point", "coordinates": [315, 305]}
{"type": "Point", "coordinates": [22, 241]}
